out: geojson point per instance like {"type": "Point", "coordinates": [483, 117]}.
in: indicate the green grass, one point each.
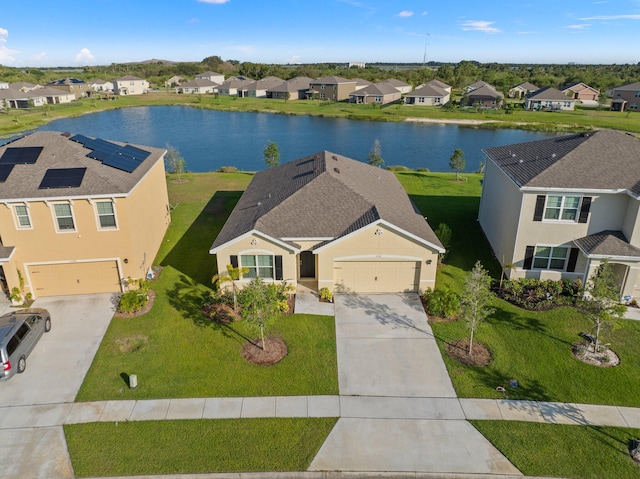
{"type": "Point", "coordinates": [554, 450]}
{"type": "Point", "coordinates": [175, 351]}
{"type": "Point", "coordinates": [202, 446]}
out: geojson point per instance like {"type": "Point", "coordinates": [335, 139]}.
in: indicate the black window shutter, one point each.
{"type": "Point", "coordinates": [234, 260]}
{"type": "Point", "coordinates": [537, 215]}
{"type": "Point", "coordinates": [573, 258]}
{"type": "Point", "coordinates": [584, 209]}
{"type": "Point", "coordinates": [528, 257]}
{"type": "Point", "coordinates": [278, 263]}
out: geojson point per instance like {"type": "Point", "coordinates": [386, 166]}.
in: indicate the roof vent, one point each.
{"type": "Point", "coordinates": [337, 170]}
{"type": "Point", "coordinates": [335, 157]}
{"type": "Point", "coordinates": [553, 155]}
{"type": "Point", "coordinates": [66, 134]}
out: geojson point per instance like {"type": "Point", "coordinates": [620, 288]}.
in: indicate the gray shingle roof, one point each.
{"type": "Point", "coordinates": [527, 86]}
{"type": "Point", "coordinates": [376, 89]}
{"type": "Point", "coordinates": [607, 243]}
{"type": "Point", "coordinates": [486, 91]}
{"type": "Point", "coordinates": [198, 82]}
{"type": "Point", "coordinates": [320, 196]}
{"type": "Point", "coordinates": [428, 91]}
{"type": "Point", "coordinates": [331, 80]}
{"type": "Point", "coordinates": [628, 87]}
{"type": "Point", "coordinates": [61, 152]}
{"type": "Point", "coordinates": [548, 93]}
{"type": "Point", "coordinates": [293, 85]}
{"type": "Point", "coordinates": [603, 159]}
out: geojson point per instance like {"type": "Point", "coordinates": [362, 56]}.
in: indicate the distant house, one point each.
{"type": "Point", "coordinates": [259, 88]}
{"type": "Point", "coordinates": [175, 80]}
{"type": "Point", "coordinates": [362, 83]}
{"type": "Point", "coordinates": [377, 93]}
{"type": "Point", "coordinates": [23, 86]}
{"type": "Point", "coordinates": [331, 88]}
{"type": "Point", "coordinates": [4, 85]}
{"type": "Point", "coordinates": [12, 98]}
{"type": "Point", "coordinates": [484, 96]}
{"type": "Point", "coordinates": [232, 85]}
{"type": "Point", "coordinates": [429, 94]}
{"type": "Point", "coordinates": [476, 85]}
{"type": "Point", "coordinates": [399, 85]}
{"type": "Point", "coordinates": [130, 85]}
{"type": "Point", "coordinates": [294, 89]}
{"type": "Point", "coordinates": [521, 90]}
{"type": "Point", "coordinates": [625, 97]}
{"type": "Point", "coordinates": [198, 86]}
{"type": "Point", "coordinates": [100, 86]}
{"type": "Point", "coordinates": [581, 92]}
{"type": "Point", "coordinates": [211, 76]}
{"type": "Point", "coordinates": [555, 208]}
{"type": "Point", "coordinates": [79, 88]}
{"type": "Point", "coordinates": [548, 98]}
{"type": "Point", "coordinates": [437, 83]}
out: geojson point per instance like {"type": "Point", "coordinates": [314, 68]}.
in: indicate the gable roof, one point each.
{"type": "Point", "coordinates": [376, 89]}
{"type": "Point", "coordinates": [235, 82]}
{"type": "Point", "coordinates": [331, 80]}
{"type": "Point", "coordinates": [198, 82]}
{"type": "Point", "coordinates": [548, 93]}
{"type": "Point", "coordinates": [59, 151]}
{"type": "Point", "coordinates": [599, 160]}
{"type": "Point", "coordinates": [628, 87]}
{"type": "Point", "coordinates": [607, 244]}
{"type": "Point", "coordinates": [578, 87]}
{"type": "Point", "coordinates": [263, 84]}
{"type": "Point", "coordinates": [129, 78]}
{"type": "Point", "coordinates": [396, 83]}
{"type": "Point", "coordinates": [526, 86]}
{"type": "Point", "coordinates": [486, 91]}
{"type": "Point", "coordinates": [323, 196]}
{"type": "Point", "coordinates": [428, 91]}
{"type": "Point", "coordinates": [478, 84]}
{"type": "Point", "coordinates": [293, 85]}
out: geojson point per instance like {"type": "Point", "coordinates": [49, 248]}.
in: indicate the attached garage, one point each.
{"type": "Point", "coordinates": [75, 278]}
{"type": "Point", "coordinates": [376, 276]}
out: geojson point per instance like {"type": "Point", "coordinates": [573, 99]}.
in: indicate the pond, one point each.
{"type": "Point", "coordinates": [209, 139]}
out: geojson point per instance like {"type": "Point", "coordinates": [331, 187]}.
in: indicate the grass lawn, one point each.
{"type": "Point", "coordinates": [554, 450]}
{"type": "Point", "coordinates": [204, 446]}
{"type": "Point", "coordinates": [177, 352]}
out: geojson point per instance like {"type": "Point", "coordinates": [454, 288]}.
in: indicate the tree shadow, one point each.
{"type": "Point", "coordinates": [190, 255]}
{"type": "Point", "coordinates": [522, 322]}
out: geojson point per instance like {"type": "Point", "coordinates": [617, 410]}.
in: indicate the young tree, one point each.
{"type": "Point", "coordinates": [259, 305]}
{"type": "Point", "coordinates": [231, 276]}
{"type": "Point", "coordinates": [457, 162]}
{"type": "Point", "coordinates": [603, 304]}
{"type": "Point", "coordinates": [272, 154]}
{"type": "Point", "coordinates": [375, 158]}
{"type": "Point", "coordinates": [175, 163]}
{"type": "Point", "coordinates": [475, 299]}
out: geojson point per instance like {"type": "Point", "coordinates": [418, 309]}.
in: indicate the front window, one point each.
{"type": "Point", "coordinates": [259, 265]}
{"type": "Point", "coordinates": [64, 217]}
{"type": "Point", "coordinates": [22, 214]}
{"type": "Point", "coordinates": [562, 208]}
{"type": "Point", "coordinates": [106, 214]}
{"type": "Point", "coordinates": [547, 257]}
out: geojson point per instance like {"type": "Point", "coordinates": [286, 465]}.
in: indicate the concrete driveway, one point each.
{"type": "Point", "coordinates": [55, 371]}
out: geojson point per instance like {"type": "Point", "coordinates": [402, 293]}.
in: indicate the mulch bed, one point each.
{"type": "Point", "coordinates": [275, 349]}
{"type": "Point", "coordinates": [223, 313]}
{"type": "Point", "coordinates": [144, 310]}
{"type": "Point", "coordinates": [457, 349]}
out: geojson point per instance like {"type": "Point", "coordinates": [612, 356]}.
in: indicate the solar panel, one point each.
{"type": "Point", "coordinates": [136, 153]}
{"type": "Point", "coordinates": [26, 155]}
{"type": "Point", "coordinates": [122, 162]}
{"type": "Point", "coordinates": [5, 171]}
{"type": "Point", "coordinates": [62, 178]}
{"type": "Point", "coordinates": [126, 158]}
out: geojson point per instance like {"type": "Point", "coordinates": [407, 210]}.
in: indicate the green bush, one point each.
{"type": "Point", "coordinates": [443, 232]}
{"type": "Point", "coordinates": [536, 294]}
{"type": "Point", "coordinates": [442, 303]}
{"type": "Point", "coordinates": [132, 301]}
{"type": "Point", "coordinates": [227, 169]}
{"type": "Point", "coordinates": [398, 168]}
{"type": "Point", "coordinates": [325, 294]}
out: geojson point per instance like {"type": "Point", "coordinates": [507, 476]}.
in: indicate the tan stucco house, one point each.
{"type": "Point", "coordinates": [294, 89]}
{"type": "Point", "coordinates": [522, 89]}
{"type": "Point", "coordinates": [430, 94]}
{"type": "Point", "coordinates": [625, 97]}
{"type": "Point", "coordinates": [555, 208]}
{"type": "Point", "coordinates": [197, 86]}
{"type": "Point", "coordinates": [549, 98]}
{"type": "Point", "coordinates": [376, 93]}
{"type": "Point", "coordinates": [79, 215]}
{"type": "Point", "coordinates": [328, 221]}
{"type": "Point", "coordinates": [79, 88]}
{"type": "Point", "coordinates": [331, 88]}
{"type": "Point", "coordinates": [581, 92]}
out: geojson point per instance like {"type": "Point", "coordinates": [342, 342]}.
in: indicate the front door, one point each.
{"type": "Point", "coordinates": [307, 264]}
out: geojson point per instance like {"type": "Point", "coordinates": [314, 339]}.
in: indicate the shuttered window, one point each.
{"type": "Point", "coordinates": [548, 257]}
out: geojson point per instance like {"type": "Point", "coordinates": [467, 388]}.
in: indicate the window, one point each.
{"type": "Point", "coordinates": [562, 208]}
{"type": "Point", "coordinates": [22, 214]}
{"type": "Point", "coordinates": [260, 265]}
{"type": "Point", "coordinates": [637, 94]}
{"type": "Point", "coordinates": [106, 214]}
{"type": "Point", "coordinates": [64, 217]}
{"type": "Point", "coordinates": [547, 257]}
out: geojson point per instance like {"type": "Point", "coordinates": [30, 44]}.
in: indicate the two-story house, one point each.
{"type": "Point", "coordinates": [79, 215]}
{"type": "Point", "coordinates": [555, 208]}
{"type": "Point", "coordinates": [625, 97]}
{"type": "Point", "coordinates": [331, 88]}
{"type": "Point", "coordinates": [79, 88]}
{"type": "Point", "coordinates": [211, 76]}
{"type": "Point", "coordinates": [130, 85]}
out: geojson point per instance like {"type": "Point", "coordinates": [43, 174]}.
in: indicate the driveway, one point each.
{"type": "Point", "coordinates": [55, 371]}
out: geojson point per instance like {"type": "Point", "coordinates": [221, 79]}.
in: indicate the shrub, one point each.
{"type": "Point", "coordinates": [423, 170]}
{"type": "Point", "coordinates": [227, 169]}
{"type": "Point", "coordinates": [132, 301]}
{"type": "Point", "coordinates": [442, 303]}
{"type": "Point", "coordinates": [536, 294]}
{"type": "Point", "coordinates": [443, 232]}
{"type": "Point", "coordinates": [398, 168]}
{"type": "Point", "coordinates": [325, 294]}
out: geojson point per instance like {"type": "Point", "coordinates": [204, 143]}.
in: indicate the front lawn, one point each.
{"type": "Point", "coordinates": [175, 351]}
{"type": "Point", "coordinates": [554, 450]}
{"type": "Point", "coordinates": [192, 447]}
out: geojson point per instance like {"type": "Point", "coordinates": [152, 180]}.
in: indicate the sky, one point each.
{"type": "Point", "coordinates": [44, 33]}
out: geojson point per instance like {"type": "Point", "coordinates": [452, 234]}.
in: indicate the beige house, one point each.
{"type": "Point", "coordinates": [328, 221]}
{"type": "Point", "coordinates": [294, 89]}
{"type": "Point", "coordinates": [259, 88]}
{"type": "Point", "coordinates": [549, 98]}
{"type": "Point", "coordinates": [130, 85]}
{"type": "Point", "coordinates": [79, 215]}
{"type": "Point", "coordinates": [211, 76]}
{"type": "Point", "coordinates": [581, 92]}
{"type": "Point", "coordinates": [377, 93]}
{"type": "Point", "coordinates": [233, 86]}
{"type": "Point", "coordinates": [429, 94]}
{"type": "Point", "coordinates": [79, 88]}
{"type": "Point", "coordinates": [198, 86]}
{"type": "Point", "coordinates": [399, 85]}
{"type": "Point", "coordinates": [626, 97]}
{"type": "Point", "coordinates": [10, 98]}
{"type": "Point", "coordinates": [331, 88]}
{"type": "Point", "coordinates": [100, 86]}
{"type": "Point", "coordinates": [522, 89]}
{"type": "Point", "coordinates": [555, 208]}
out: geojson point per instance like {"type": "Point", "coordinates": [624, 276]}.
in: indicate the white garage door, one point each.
{"type": "Point", "coordinates": [75, 278]}
{"type": "Point", "coordinates": [376, 276]}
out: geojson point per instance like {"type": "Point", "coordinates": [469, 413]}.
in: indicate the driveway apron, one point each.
{"type": "Point", "coordinates": [388, 360]}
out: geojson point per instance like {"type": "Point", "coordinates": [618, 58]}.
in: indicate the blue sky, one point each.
{"type": "Point", "coordinates": [100, 32]}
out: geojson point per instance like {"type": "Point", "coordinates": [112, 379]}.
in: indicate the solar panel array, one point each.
{"type": "Point", "coordinates": [62, 178]}
{"type": "Point", "coordinates": [126, 158]}
{"type": "Point", "coordinates": [12, 156]}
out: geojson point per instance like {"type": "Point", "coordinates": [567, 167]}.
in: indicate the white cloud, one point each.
{"type": "Point", "coordinates": [580, 26]}
{"type": "Point", "coordinates": [214, 2]}
{"type": "Point", "coordinates": [4, 33]}
{"type": "Point", "coordinates": [6, 54]}
{"type": "Point", "coordinates": [612, 17]}
{"type": "Point", "coordinates": [40, 56]}
{"type": "Point", "coordinates": [405, 13]}
{"type": "Point", "coordinates": [480, 26]}
{"type": "Point", "coordinates": [84, 56]}
{"type": "Point", "coordinates": [293, 59]}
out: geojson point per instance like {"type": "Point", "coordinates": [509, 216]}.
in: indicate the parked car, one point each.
{"type": "Point", "coordinates": [20, 331]}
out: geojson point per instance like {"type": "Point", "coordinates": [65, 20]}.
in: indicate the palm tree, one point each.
{"type": "Point", "coordinates": [231, 276]}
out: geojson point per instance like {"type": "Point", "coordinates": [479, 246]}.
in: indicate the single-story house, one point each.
{"type": "Point", "coordinates": [521, 90]}
{"type": "Point", "coordinates": [328, 221]}
{"type": "Point", "coordinates": [484, 96]}
{"type": "Point", "coordinates": [399, 85]}
{"type": "Point", "coordinates": [376, 93]}
{"type": "Point", "coordinates": [233, 85]}
{"type": "Point", "coordinates": [79, 215]}
{"type": "Point", "coordinates": [581, 92]}
{"type": "Point", "coordinates": [294, 89]}
{"type": "Point", "coordinates": [100, 86]}
{"type": "Point", "coordinates": [428, 95]}
{"type": "Point", "coordinates": [175, 80]}
{"type": "Point", "coordinates": [197, 86]}
{"type": "Point", "coordinates": [548, 98]}
{"type": "Point", "coordinates": [259, 88]}
{"type": "Point", "coordinates": [475, 85]}
{"type": "Point", "coordinates": [11, 98]}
